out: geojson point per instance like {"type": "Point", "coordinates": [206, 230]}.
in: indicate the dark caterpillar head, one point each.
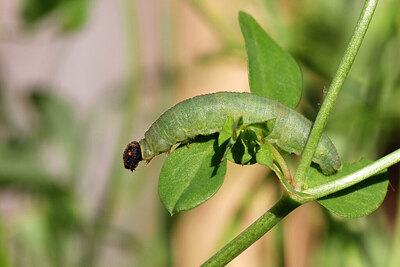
{"type": "Point", "coordinates": [132, 155]}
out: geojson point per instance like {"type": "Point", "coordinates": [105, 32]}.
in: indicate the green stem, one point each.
{"type": "Point", "coordinates": [333, 92]}
{"type": "Point", "coordinates": [289, 202]}
{"type": "Point", "coordinates": [254, 232]}
{"type": "Point", "coordinates": [281, 161]}
{"type": "Point", "coordinates": [356, 177]}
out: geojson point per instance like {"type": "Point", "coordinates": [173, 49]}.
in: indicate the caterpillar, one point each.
{"type": "Point", "coordinates": [206, 114]}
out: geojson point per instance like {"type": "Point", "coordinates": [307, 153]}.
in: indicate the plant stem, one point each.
{"type": "Point", "coordinates": [282, 163]}
{"type": "Point", "coordinates": [356, 177]}
{"type": "Point", "coordinates": [290, 202]}
{"type": "Point", "coordinates": [254, 232]}
{"type": "Point", "coordinates": [333, 92]}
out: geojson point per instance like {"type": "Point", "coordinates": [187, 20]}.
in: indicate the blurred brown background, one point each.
{"type": "Point", "coordinates": [79, 79]}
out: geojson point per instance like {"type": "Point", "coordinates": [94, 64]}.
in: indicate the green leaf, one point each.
{"type": "Point", "coordinates": [191, 175]}
{"type": "Point", "coordinates": [356, 201]}
{"type": "Point", "coordinates": [264, 156]}
{"type": "Point", "coordinates": [244, 149]}
{"type": "Point", "coordinates": [272, 71]}
{"type": "Point", "coordinates": [260, 129]}
{"type": "Point", "coordinates": [226, 132]}
{"type": "Point", "coordinates": [238, 144]}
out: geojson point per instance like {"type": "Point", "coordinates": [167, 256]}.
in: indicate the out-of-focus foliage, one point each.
{"type": "Point", "coordinates": [55, 216]}
{"type": "Point", "coordinates": [352, 243]}
{"type": "Point", "coordinates": [70, 14]}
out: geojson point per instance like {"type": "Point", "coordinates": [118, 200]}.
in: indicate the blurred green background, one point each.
{"type": "Point", "coordinates": [79, 79]}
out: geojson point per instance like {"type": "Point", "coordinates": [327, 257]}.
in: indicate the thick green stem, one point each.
{"type": "Point", "coordinates": [289, 202]}
{"type": "Point", "coordinates": [333, 92]}
{"type": "Point", "coordinates": [253, 232]}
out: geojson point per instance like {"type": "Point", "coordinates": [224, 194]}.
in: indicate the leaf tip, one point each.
{"type": "Point", "coordinates": [242, 15]}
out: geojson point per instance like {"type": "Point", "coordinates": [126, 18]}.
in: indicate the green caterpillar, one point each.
{"type": "Point", "coordinates": [206, 114]}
